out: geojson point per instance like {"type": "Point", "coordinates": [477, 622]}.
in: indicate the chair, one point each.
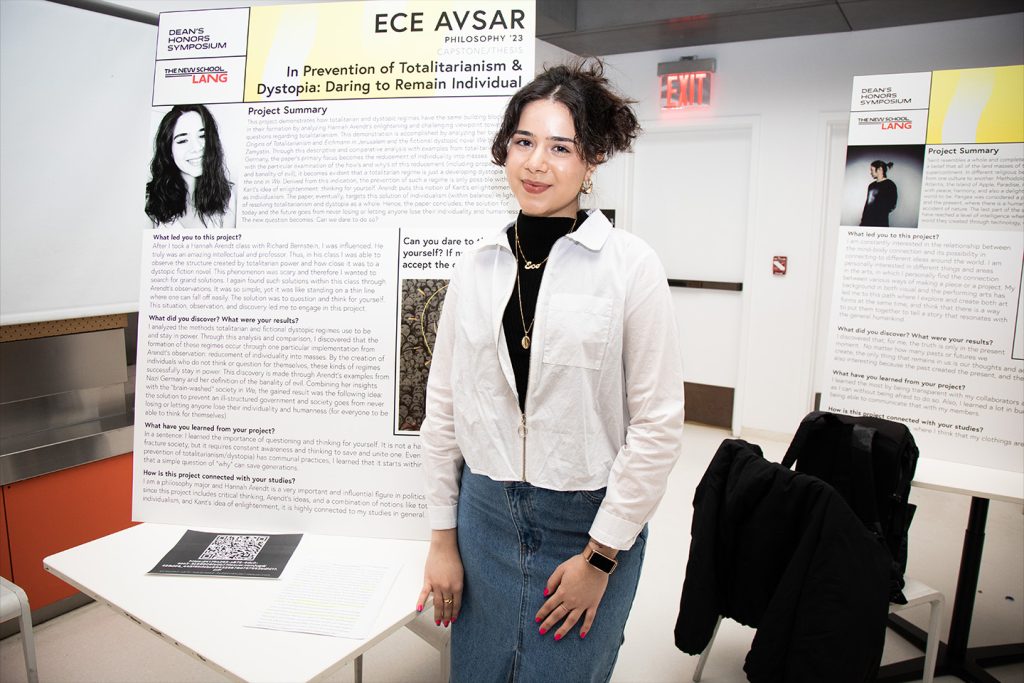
{"type": "Point", "coordinates": [699, 671]}
{"type": "Point", "coordinates": [769, 548]}
{"type": "Point", "coordinates": [916, 593]}
{"type": "Point", "coordinates": [440, 638]}
{"type": "Point", "coordinates": [14, 603]}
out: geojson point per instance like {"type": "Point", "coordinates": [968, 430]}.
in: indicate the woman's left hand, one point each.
{"type": "Point", "coordinates": [575, 590]}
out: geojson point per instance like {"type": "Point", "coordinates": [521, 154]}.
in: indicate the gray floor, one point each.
{"type": "Point", "coordinates": [95, 644]}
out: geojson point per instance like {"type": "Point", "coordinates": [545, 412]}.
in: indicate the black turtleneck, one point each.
{"type": "Point", "coordinates": [536, 237]}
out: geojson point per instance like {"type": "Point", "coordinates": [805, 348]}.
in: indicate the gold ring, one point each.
{"type": "Point", "coordinates": [448, 601]}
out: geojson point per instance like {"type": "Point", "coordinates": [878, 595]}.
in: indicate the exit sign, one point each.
{"type": "Point", "coordinates": [685, 83]}
{"type": "Point", "coordinates": [685, 90]}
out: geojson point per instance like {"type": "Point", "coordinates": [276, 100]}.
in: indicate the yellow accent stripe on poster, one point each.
{"type": "Point", "coordinates": [977, 106]}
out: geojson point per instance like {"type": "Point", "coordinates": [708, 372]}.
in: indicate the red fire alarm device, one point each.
{"type": "Point", "coordinates": [779, 265]}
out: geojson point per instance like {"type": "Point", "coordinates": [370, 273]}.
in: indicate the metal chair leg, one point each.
{"type": "Point", "coordinates": [699, 671]}
{"type": "Point", "coordinates": [931, 650]}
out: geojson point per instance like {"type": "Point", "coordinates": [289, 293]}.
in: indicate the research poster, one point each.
{"type": "Point", "coordinates": [317, 170]}
{"type": "Point", "coordinates": [926, 326]}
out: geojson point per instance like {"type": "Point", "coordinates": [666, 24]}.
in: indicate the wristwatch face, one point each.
{"type": "Point", "coordinates": [605, 564]}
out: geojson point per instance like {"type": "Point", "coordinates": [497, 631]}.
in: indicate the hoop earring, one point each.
{"type": "Point", "coordinates": [587, 187]}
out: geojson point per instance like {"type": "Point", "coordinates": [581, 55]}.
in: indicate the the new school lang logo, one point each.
{"type": "Point", "coordinates": [201, 57]}
{"type": "Point", "coordinates": [199, 81]}
{"type": "Point", "coordinates": [196, 75]}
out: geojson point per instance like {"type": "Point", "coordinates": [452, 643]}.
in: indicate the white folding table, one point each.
{"type": "Point", "coordinates": [956, 658]}
{"type": "Point", "coordinates": [207, 616]}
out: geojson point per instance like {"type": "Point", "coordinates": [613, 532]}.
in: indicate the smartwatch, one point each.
{"type": "Point", "coordinates": [599, 561]}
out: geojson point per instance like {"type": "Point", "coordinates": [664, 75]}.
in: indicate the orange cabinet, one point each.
{"type": "Point", "coordinates": [5, 546]}
{"type": "Point", "coordinates": [50, 513]}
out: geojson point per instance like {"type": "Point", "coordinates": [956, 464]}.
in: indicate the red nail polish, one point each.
{"type": "Point", "coordinates": [446, 624]}
{"type": "Point", "coordinates": [543, 631]}
{"type": "Point", "coordinates": [546, 591]}
{"type": "Point", "coordinates": [583, 634]}
{"type": "Point", "coordinates": [453, 619]}
{"type": "Point", "coordinates": [558, 636]}
{"type": "Point", "coordinates": [537, 620]}
{"type": "Point", "coordinates": [437, 622]}
{"type": "Point", "coordinates": [419, 608]}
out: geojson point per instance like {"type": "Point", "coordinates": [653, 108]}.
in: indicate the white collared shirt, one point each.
{"type": "Point", "coordinates": [604, 403]}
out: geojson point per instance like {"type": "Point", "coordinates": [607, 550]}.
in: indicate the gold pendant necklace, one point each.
{"type": "Point", "coordinates": [528, 265]}
{"type": "Point", "coordinates": [525, 341]}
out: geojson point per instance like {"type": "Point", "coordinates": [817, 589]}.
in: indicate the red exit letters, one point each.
{"type": "Point", "coordinates": [685, 89]}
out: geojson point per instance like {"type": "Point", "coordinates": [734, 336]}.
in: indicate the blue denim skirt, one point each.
{"type": "Point", "coordinates": [512, 536]}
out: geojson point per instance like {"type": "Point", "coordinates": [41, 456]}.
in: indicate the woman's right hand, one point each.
{"type": "Point", "coordinates": [442, 576]}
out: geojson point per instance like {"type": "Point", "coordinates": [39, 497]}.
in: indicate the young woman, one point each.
{"type": "Point", "coordinates": [189, 186]}
{"type": "Point", "coordinates": [554, 406]}
{"type": "Point", "coordinates": [881, 198]}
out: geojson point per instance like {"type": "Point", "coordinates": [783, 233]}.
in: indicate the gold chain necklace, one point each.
{"type": "Point", "coordinates": [525, 341]}
{"type": "Point", "coordinates": [528, 265]}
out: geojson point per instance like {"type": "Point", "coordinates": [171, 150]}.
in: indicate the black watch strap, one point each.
{"type": "Point", "coordinates": [599, 561]}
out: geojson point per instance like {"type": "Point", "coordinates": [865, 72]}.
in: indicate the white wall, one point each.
{"type": "Point", "coordinates": [791, 89]}
{"type": "Point", "coordinates": [74, 118]}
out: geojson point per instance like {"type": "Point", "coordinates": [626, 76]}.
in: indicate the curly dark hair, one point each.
{"type": "Point", "coordinates": [166, 192]}
{"type": "Point", "coordinates": [604, 121]}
